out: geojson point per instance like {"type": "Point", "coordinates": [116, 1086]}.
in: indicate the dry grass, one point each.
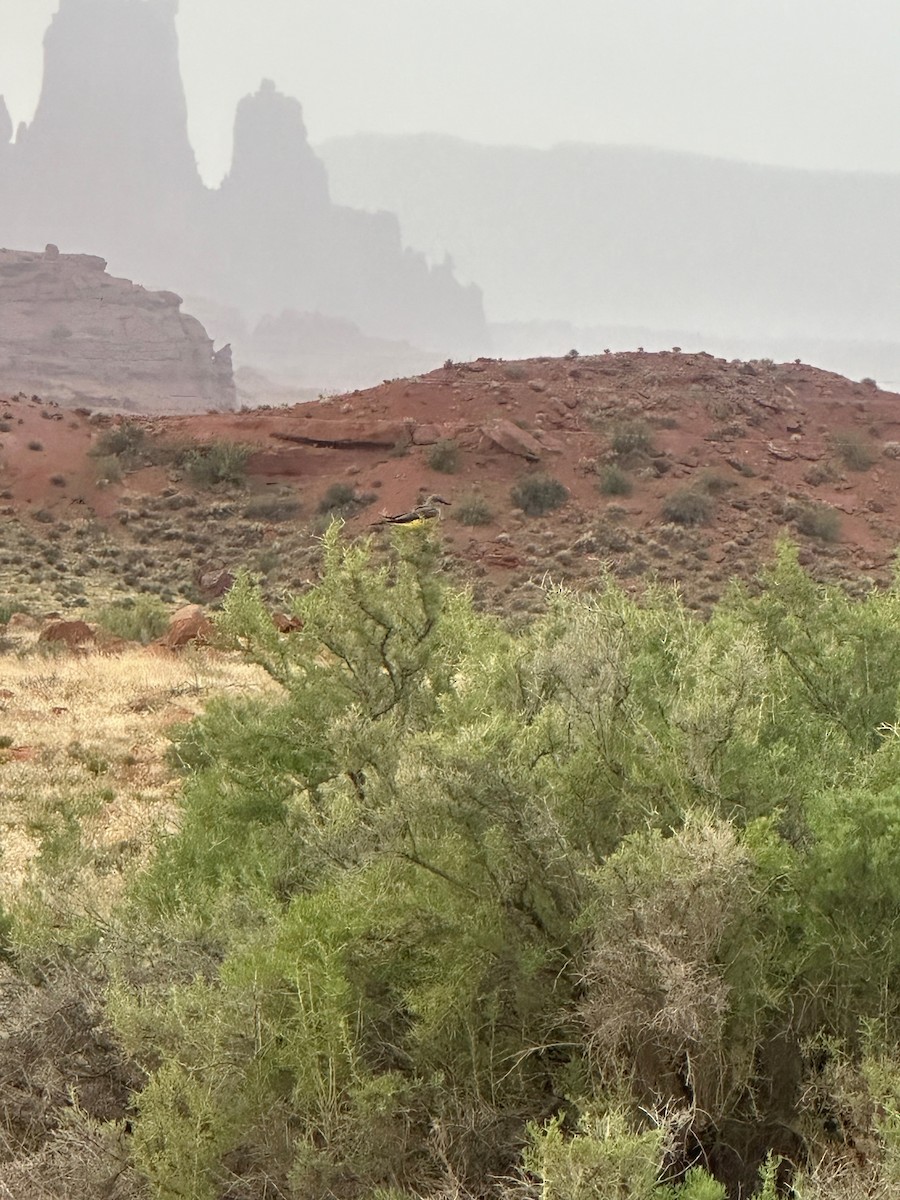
{"type": "Point", "coordinates": [84, 743]}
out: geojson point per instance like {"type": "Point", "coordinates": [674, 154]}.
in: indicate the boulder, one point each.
{"type": "Point", "coordinates": [73, 634]}
{"type": "Point", "coordinates": [188, 624]}
{"type": "Point", "coordinates": [513, 440]}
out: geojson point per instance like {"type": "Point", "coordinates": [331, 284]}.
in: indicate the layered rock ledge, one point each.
{"type": "Point", "coordinates": [75, 334]}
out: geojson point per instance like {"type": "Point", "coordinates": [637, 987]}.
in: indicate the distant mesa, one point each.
{"type": "Point", "coordinates": [75, 334]}
{"type": "Point", "coordinates": [107, 165]}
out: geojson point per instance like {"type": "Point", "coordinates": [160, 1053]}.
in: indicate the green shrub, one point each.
{"type": "Point", "coordinates": [126, 441]}
{"type": "Point", "coordinates": [688, 506]}
{"type": "Point", "coordinates": [538, 494]}
{"type": "Point", "coordinates": [473, 509]}
{"type": "Point", "coordinates": [138, 619]}
{"type": "Point", "coordinates": [272, 508]}
{"type": "Point", "coordinates": [217, 463]}
{"type": "Point", "coordinates": [109, 469]}
{"type": "Point", "coordinates": [855, 452]}
{"type": "Point", "coordinates": [443, 456]}
{"type": "Point", "coordinates": [819, 521]}
{"type": "Point", "coordinates": [632, 441]}
{"type": "Point", "coordinates": [614, 481]}
{"type": "Point", "coordinates": [8, 606]}
{"type": "Point", "coordinates": [338, 497]}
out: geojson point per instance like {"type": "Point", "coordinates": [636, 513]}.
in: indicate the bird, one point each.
{"type": "Point", "coordinates": [427, 511]}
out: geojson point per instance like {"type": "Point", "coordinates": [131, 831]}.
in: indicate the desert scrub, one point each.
{"type": "Point", "coordinates": [126, 443]}
{"type": "Point", "coordinates": [472, 509]}
{"type": "Point", "coordinates": [135, 619]}
{"type": "Point", "coordinates": [688, 506]}
{"type": "Point", "coordinates": [614, 481]}
{"type": "Point", "coordinates": [337, 498]}
{"type": "Point", "coordinates": [820, 473]}
{"type": "Point", "coordinates": [819, 521]}
{"type": "Point", "coordinates": [217, 463]}
{"type": "Point", "coordinates": [443, 456]}
{"type": "Point", "coordinates": [272, 508]}
{"type": "Point", "coordinates": [35, 445]}
{"type": "Point", "coordinates": [855, 452]}
{"type": "Point", "coordinates": [9, 606]}
{"type": "Point", "coordinates": [538, 494]}
{"type": "Point", "coordinates": [632, 442]}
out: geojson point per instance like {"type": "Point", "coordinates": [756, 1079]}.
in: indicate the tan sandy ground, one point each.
{"type": "Point", "coordinates": [84, 738]}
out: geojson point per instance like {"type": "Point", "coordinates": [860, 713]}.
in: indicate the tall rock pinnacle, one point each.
{"type": "Point", "coordinates": [6, 128]}
{"type": "Point", "coordinates": [110, 132]}
{"type": "Point", "coordinates": [106, 167]}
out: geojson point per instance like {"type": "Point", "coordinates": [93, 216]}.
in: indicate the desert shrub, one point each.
{"type": "Point", "coordinates": [5, 426]}
{"type": "Point", "coordinates": [136, 619]}
{"type": "Point", "coordinates": [217, 463]}
{"type": "Point", "coordinates": [538, 494]}
{"type": "Point", "coordinates": [109, 469]}
{"type": "Point", "coordinates": [855, 452]}
{"type": "Point", "coordinates": [125, 441]}
{"type": "Point", "coordinates": [821, 472]}
{"type": "Point", "coordinates": [272, 508]}
{"type": "Point", "coordinates": [632, 441]}
{"type": "Point", "coordinates": [8, 606]}
{"type": "Point", "coordinates": [58, 480]}
{"type": "Point", "coordinates": [394, 937]}
{"type": "Point", "coordinates": [713, 483]}
{"type": "Point", "coordinates": [819, 521]}
{"type": "Point", "coordinates": [443, 456]}
{"type": "Point", "coordinates": [473, 509]}
{"type": "Point", "coordinates": [688, 506]}
{"type": "Point", "coordinates": [35, 445]}
{"type": "Point", "coordinates": [338, 497]}
{"type": "Point", "coordinates": [614, 481]}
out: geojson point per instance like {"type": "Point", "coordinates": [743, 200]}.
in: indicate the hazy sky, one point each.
{"type": "Point", "coordinates": [811, 83]}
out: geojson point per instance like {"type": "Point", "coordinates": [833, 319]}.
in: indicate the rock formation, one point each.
{"type": "Point", "coordinates": [73, 333]}
{"type": "Point", "coordinates": [106, 166]}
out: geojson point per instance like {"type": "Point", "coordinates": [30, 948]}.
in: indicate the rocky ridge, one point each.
{"type": "Point", "coordinates": [675, 467]}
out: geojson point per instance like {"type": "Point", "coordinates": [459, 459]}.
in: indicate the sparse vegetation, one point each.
{"type": "Point", "coordinates": [819, 521]}
{"type": "Point", "coordinates": [472, 509]}
{"type": "Point", "coordinates": [690, 505]}
{"type": "Point", "coordinates": [443, 456]}
{"type": "Point", "coordinates": [614, 481]}
{"type": "Point", "coordinates": [136, 619]}
{"type": "Point", "coordinates": [855, 452]}
{"type": "Point", "coordinates": [125, 442]}
{"type": "Point", "coordinates": [632, 443]}
{"type": "Point", "coordinates": [35, 445]}
{"type": "Point", "coordinates": [8, 606]}
{"type": "Point", "coordinates": [272, 509]}
{"type": "Point", "coordinates": [339, 497]}
{"type": "Point", "coordinates": [538, 494]}
{"type": "Point", "coordinates": [217, 463]}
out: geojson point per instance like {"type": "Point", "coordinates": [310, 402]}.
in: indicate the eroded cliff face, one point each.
{"type": "Point", "coordinates": [106, 166]}
{"type": "Point", "coordinates": [73, 333]}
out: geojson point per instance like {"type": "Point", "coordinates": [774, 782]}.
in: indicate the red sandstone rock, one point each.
{"type": "Point", "coordinates": [188, 624]}
{"type": "Point", "coordinates": [514, 440]}
{"type": "Point", "coordinates": [319, 432]}
{"type": "Point", "coordinates": [70, 633]}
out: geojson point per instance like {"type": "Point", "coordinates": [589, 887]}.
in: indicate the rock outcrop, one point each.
{"type": "Point", "coordinates": [106, 165]}
{"type": "Point", "coordinates": [73, 333]}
